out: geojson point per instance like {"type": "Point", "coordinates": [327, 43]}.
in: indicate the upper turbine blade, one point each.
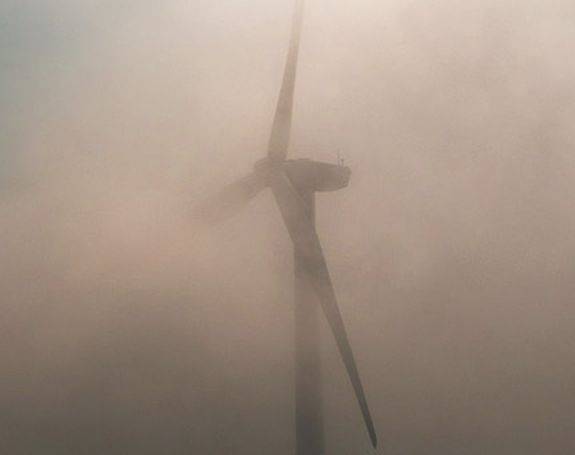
{"type": "Point", "coordinates": [306, 242]}
{"type": "Point", "coordinates": [231, 199]}
{"type": "Point", "coordinates": [279, 139]}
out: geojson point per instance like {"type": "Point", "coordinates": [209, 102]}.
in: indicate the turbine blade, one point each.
{"type": "Point", "coordinates": [231, 198]}
{"type": "Point", "coordinates": [279, 139]}
{"type": "Point", "coordinates": [297, 218]}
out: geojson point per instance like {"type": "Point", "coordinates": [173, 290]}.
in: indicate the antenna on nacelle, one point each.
{"type": "Point", "coordinates": [340, 160]}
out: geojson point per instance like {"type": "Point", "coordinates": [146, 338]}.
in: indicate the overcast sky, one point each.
{"type": "Point", "coordinates": [127, 329]}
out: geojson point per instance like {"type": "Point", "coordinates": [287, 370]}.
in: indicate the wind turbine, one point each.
{"type": "Point", "coordinates": [293, 184]}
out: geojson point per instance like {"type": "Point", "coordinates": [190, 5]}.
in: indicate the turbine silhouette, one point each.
{"type": "Point", "coordinates": [294, 183]}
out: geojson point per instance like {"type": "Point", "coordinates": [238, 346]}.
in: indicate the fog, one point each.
{"type": "Point", "coordinates": [126, 328]}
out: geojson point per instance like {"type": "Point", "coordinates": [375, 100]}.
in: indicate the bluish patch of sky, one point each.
{"type": "Point", "coordinates": [40, 41]}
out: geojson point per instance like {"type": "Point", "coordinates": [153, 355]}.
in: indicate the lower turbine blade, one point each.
{"type": "Point", "coordinates": [231, 199]}
{"type": "Point", "coordinates": [301, 229]}
{"type": "Point", "coordinates": [318, 271]}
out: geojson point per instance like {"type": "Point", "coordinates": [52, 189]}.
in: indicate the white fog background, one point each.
{"type": "Point", "coordinates": [127, 329]}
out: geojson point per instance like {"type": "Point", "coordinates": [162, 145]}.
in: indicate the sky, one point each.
{"type": "Point", "coordinates": [127, 328]}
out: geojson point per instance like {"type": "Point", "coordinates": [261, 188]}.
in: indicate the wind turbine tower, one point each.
{"type": "Point", "coordinates": [294, 184]}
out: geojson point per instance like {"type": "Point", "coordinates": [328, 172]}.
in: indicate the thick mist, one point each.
{"type": "Point", "coordinates": [127, 327]}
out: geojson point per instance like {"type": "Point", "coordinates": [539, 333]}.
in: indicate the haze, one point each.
{"type": "Point", "coordinates": [127, 329]}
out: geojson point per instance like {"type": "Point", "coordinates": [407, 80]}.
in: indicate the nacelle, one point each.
{"type": "Point", "coordinates": [316, 176]}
